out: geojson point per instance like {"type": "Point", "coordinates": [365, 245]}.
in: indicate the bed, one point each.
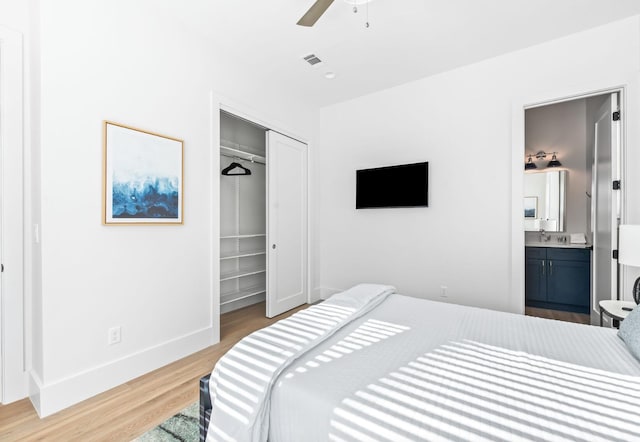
{"type": "Point", "coordinates": [370, 364]}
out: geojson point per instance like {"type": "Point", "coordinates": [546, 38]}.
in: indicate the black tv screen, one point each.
{"type": "Point", "coordinates": [394, 186]}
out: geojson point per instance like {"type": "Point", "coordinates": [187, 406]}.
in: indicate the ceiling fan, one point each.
{"type": "Point", "coordinates": [320, 7]}
{"type": "Point", "coordinates": [314, 13]}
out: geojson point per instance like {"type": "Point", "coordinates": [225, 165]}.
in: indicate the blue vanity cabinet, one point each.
{"type": "Point", "coordinates": [558, 278]}
{"type": "Point", "coordinates": [536, 274]}
{"type": "Point", "coordinates": [568, 277]}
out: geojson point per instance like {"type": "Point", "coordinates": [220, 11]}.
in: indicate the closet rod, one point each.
{"type": "Point", "coordinates": [240, 158]}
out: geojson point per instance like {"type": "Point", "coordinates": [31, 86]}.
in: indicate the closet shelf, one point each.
{"type": "Point", "coordinates": [239, 153]}
{"type": "Point", "coordinates": [251, 235]}
{"type": "Point", "coordinates": [234, 254]}
{"type": "Point", "coordinates": [241, 273]}
{"type": "Point", "coordinates": [227, 298]}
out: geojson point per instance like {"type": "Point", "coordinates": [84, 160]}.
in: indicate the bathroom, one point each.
{"type": "Point", "coordinates": [571, 209]}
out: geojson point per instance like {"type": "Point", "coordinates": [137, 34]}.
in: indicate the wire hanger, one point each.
{"type": "Point", "coordinates": [226, 171]}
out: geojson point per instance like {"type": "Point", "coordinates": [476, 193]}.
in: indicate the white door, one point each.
{"type": "Point", "coordinates": [286, 223]}
{"type": "Point", "coordinates": [605, 206]}
{"type": "Point", "coordinates": [14, 208]}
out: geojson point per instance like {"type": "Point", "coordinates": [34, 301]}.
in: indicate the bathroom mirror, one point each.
{"type": "Point", "coordinates": [544, 200]}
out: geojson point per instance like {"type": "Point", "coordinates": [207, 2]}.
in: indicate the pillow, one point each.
{"type": "Point", "coordinates": [630, 332]}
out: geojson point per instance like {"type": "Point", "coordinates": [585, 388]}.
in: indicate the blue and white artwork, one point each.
{"type": "Point", "coordinates": [143, 177]}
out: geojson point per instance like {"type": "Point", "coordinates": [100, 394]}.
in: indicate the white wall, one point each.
{"type": "Point", "coordinates": [461, 122]}
{"type": "Point", "coordinates": [125, 62]}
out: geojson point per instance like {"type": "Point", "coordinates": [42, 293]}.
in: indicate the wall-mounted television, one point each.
{"type": "Point", "coordinates": [406, 185]}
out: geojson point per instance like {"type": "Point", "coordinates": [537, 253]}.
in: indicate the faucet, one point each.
{"type": "Point", "coordinates": [543, 235]}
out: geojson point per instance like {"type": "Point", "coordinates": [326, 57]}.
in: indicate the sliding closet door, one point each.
{"type": "Point", "coordinates": [286, 223]}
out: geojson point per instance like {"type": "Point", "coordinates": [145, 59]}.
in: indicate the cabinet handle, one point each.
{"type": "Point", "coordinates": [542, 267]}
{"type": "Point", "coordinates": [550, 268]}
{"type": "Point", "coordinates": [273, 246]}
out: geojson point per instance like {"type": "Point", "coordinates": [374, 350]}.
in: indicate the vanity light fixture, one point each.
{"type": "Point", "coordinates": [529, 165]}
{"type": "Point", "coordinates": [554, 161]}
{"type": "Point", "coordinates": [541, 155]}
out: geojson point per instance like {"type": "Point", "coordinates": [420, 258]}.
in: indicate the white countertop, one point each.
{"type": "Point", "coordinates": [554, 243]}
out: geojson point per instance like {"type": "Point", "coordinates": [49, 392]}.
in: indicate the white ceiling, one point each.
{"type": "Point", "coordinates": [407, 39]}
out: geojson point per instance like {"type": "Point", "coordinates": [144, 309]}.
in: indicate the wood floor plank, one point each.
{"type": "Point", "coordinates": [558, 315]}
{"type": "Point", "coordinates": [127, 411]}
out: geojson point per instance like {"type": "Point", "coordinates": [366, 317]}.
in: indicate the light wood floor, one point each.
{"type": "Point", "coordinates": [127, 411]}
{"type": "Point", "coordinates": [558, 315]}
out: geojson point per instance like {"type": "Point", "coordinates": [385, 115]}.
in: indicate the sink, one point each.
{"type": "Point", "coordinates": [554, 243]}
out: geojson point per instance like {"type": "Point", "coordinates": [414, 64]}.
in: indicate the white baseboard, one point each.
{"type": "Point", "coordinates": [35, 385]}
{"type": "Point", "coordinates": [326, 292]}
{"type": "Point", "coordinates": [53, 397]}
{"type": "Point", "coordinates": [316, 295]}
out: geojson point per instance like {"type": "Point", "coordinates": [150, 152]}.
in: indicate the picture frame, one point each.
{"type": "Point", "coordinates": [143, 177]}
{"type": "Point", "coordinates": [530, 206]}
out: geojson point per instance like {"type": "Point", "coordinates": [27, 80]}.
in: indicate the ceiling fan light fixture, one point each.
{"type": "Point", "coordinates": [356, 3]}
{"type": "Point", "coordinates": [319, 7]}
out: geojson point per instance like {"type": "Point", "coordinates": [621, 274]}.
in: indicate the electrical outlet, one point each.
{"type": "Point", "coordinates": [114, 335]}
{"type": "Point", "coordinates": [443, 291]}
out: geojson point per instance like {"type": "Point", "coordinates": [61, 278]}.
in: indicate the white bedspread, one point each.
{"type": "Point", "coordinates": [419, 370]}
{"type": "Point", "coordinates": [242, 379]}
{"type": "Point", "coordinates": [411, 369]}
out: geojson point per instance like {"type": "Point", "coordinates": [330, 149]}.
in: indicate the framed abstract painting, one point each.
{"type": "Point", "coordinates": [143, 177]}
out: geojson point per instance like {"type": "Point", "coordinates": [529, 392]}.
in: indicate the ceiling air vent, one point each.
{"type": "Point", "coordinates": [312, 59]}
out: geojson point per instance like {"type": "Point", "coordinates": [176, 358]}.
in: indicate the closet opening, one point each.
{"type": "Point", "coordinates": [243, 223]}
{"type": "Point", "coordinates": [263, 217]}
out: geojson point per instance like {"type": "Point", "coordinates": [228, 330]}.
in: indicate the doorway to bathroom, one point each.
{"type": "Point", "coordinates": [572, 201]}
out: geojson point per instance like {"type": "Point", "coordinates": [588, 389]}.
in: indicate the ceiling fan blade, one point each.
{"type": "Point", "coordinates": [314, 12]}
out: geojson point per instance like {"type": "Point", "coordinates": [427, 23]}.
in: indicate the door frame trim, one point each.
{"type": "Point", "coordinates": [13, 336]}
{"type": "Point", "coordinates": [627, 87]}
{"type": "Point", "coordinates": [221, 102]}
{"type": "Point", "coordinates": [594, 310]}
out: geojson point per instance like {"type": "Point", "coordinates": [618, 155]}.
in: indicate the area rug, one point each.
{"type": "Point", "coordinates": [183, 427]}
